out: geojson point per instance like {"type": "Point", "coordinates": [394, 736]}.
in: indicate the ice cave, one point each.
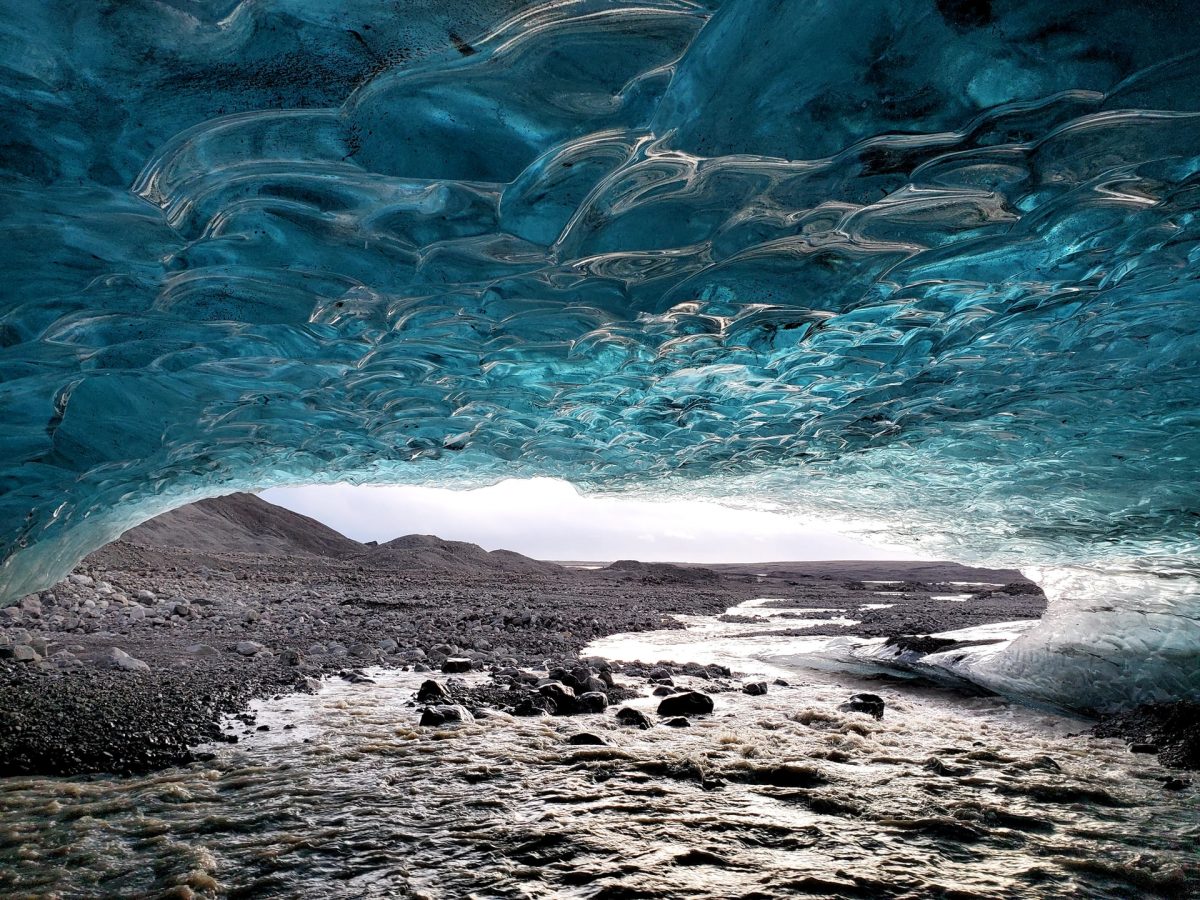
{"type": "Point", "coordinates": [932, 266]}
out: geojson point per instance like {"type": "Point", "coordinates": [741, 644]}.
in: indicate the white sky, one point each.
{"type": "Point", "coordinates": [549, 519]}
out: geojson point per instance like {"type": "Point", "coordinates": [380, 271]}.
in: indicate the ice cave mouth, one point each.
{"type": "Point", "coordinates": [931, 264]}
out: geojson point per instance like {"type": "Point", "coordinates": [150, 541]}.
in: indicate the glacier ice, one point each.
{"type": "Point", "coordinates": [928, 264]}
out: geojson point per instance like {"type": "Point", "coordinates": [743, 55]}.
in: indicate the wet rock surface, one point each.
{"type": "Point", "coordinates": [1169, 730]}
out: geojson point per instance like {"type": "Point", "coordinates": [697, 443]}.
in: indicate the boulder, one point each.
{"type": "Point", "coordinates": [560, 696]}
{"type": "Point", "coordinates": [677, 722]}
{"type": "Point", "coordinates": [448, 714]}
{"type": "Point", "coordinates": [119, 659]}
{"type": "Point", "coordinates": [455, 665]}
{"type": "Point", "coordinates": [433, 692]}
{"type": "Point", "coordinates": [689, 703]}
{"type": "Point", "coordinates": [755, 688]}
{"type": "Point", "coordinates": [871, 704]}
{"type": "Point", "coordinates": [586, 739]}
{"type": "Point", "coordinates": [628, 716]}
{"type": "Point", "coordinates": [592, 702]}
{"type": "Point", "coordinates": [532, 705]}
{"type": "Point", "coordinates": [249, 648]}
{"type": "Point", "coordinates": [26, 654]}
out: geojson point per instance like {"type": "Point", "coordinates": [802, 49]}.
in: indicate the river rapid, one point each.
{"type": "Point", "coordinates": [781, 795]}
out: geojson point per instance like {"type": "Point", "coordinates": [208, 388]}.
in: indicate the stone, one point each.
{"type": "Point", "coordinates": [451, 714]}
{"type": "Point", "coordinates": [870, 704]}
{"type": "Point", "coordinates": [534, 705]}
{"type": "Point", "coordinates": [249, 648]}
{"type": "Point", "coordinates": [433, 692]}
{"type": "Point", "coordinates": [594, 683]}
{"type": "Point", "coordinates": [144, 596]}
{"type": "Point", "coordinates": [455, 665]}
{"type": "Point", "coordinates": [119, 659]}
{"type": "Point", "coordinates": [291, 657]}
{"type": "Point", "coordinates": [689, 703]}
{"type": "Point", "coordinates": [755, 688]}
{"type": "Point", "coordinates": [677, 722]}
{"type": "Point", "coordinates": [25, 654]}
{"type": "Point", "coordinates": [137, 613]}
{"type": "Point", "coordinates": [81, 580]}
{"type": "Point", "coordinates": [586, 739]}
{"type": "Point", "coordinates": [592, 702]}
{"type": "Point", "coordinates": [561, 696]}
{"type": "Point", "coordinates": [627, 715]}
{"type": "Point", "coordinates": [388, 645]}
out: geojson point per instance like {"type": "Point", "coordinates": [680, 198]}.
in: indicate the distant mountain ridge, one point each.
{"type": "Point", "coordinates": [240, 523]}
{"type": "Point", "coordinates": [431, 553]}
{"type": "Point", "coordinates": [245, 523]}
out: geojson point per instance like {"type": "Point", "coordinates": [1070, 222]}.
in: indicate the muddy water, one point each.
{"type": "Point", "coordinates": [775, 796]}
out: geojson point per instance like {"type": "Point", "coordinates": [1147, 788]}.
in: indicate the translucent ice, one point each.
{"type": "Point", "coordinates": [931, 265]}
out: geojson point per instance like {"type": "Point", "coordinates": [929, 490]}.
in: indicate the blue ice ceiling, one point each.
{"type": "Point", "coordinates": [932, 264]}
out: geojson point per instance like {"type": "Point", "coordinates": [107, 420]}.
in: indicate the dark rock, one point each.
{"type": "Point", "coordinates": [700, 858]}
{"type": "Point", "coordinates": [592, 702]}
{"type": "Point", "coordinates": [1176, 784]}
{"type": "Point", "coordinates": [586, 739]}
{"type": "Point", "coordinates": [918, 643]}
{"type": "Point", "coordinates": [433, 692]}
{"type": "Point", "coordinates": [456, 664]}
{"type": "Point", "coordinates": [451, 714]}
{"type": "Point", "coordinates": [677, 722]}
{"type": "Point", "coordinates": [871, 704]}
{"type": "Point", "coordinates": [534, 705]}
{"type": "Point", "coordinates": [1142, 748]}
{"type": "Point", "coordinates": [689, 703]}
{"type": "Point", "coordinates": [561, 697]}
{"type": "Point", "coordinates": [755, 688]}
{"type": "Point", "coordinates": [629, 716]}
{"type": "Point", "coordinates": [291, 657]}
{"type": "Point", "coordinates": [663, 691]}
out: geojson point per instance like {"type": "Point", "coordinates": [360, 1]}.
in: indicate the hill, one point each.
{"type": "Point", "coordinates": [240, 523]}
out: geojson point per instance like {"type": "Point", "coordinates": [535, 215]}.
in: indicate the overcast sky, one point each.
{"type": "Point", "coordinates": [549, 519]}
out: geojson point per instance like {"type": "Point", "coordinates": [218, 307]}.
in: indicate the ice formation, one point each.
{"type": "Point", "coordinates": [929, 263]}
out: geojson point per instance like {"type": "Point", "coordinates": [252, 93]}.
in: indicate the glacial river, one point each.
{"type": "Point", "coordinates": [780, 795]}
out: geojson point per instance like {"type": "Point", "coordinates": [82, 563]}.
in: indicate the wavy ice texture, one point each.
{"type": "Point", "coordinates": [931, 265]}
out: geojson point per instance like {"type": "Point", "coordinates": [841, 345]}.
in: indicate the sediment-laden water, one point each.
{"type": "Point", "coordinates": [779, 795]}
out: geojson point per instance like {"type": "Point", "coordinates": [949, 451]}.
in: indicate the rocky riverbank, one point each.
{"type": "Point", "coordinates": [134, 659]}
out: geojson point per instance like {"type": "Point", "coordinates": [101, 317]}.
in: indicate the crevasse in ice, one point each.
{"type": "Point", "coordinates": [927, 265]}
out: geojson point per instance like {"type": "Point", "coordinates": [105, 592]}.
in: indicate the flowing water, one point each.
{"type": "Point", "coordinates": [774, 796]}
